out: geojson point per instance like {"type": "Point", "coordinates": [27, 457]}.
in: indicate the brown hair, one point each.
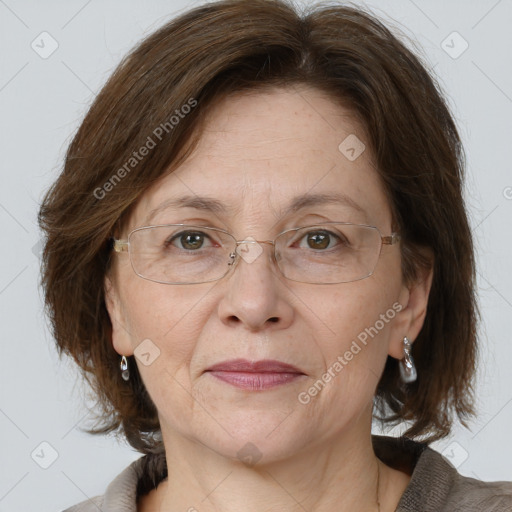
{"type": "Point", "coordinates": [204, 55]}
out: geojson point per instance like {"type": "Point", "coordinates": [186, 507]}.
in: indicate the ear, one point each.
{"type": "Point", "coordinates": [413, 299]}
{"type": "Point", "coordinates": [121, 339]}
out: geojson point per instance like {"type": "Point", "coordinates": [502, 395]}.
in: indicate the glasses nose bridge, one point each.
{"type": "Point", "coordinates": [252, 242]}
{"type": "Point", "coordinates": [236, 255]}
{"type": "Point", "coordinates": [271, 242]}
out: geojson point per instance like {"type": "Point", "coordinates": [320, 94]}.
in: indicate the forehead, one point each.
{"type": "Point", "coordinates": [259, 151]}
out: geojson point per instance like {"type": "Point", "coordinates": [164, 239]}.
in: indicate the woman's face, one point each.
{"type": "Point", "coordinates": [258, 154]}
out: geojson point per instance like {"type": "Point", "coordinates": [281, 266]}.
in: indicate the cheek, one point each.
{"type": "Point", "coordinates": [165, 321]}
{"type": "Point", "coordinates": [351, 309]}
{"type": "Point", "coordinates": [353, 324]}
{"type": "Point", "coordinates": [157, 309]}
{"type": "Point", "coordinates": [354, 321]}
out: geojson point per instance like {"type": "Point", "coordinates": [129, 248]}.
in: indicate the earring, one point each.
{"type": "Point", "coordinates": [125, 373]}
{"type": "Point", "coordinates": [407, 367]}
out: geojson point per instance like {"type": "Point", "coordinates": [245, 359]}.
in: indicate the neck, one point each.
{"type": "Point", "coordinates": [341, 475]}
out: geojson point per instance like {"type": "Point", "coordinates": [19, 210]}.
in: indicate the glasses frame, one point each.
{"type": "Point", "coordinates": [123, 245]}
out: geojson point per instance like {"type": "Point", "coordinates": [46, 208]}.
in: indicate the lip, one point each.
{"type": "Point", "coordinates": [255, 375]}
{"type": "Point", "coordinates": [262, 366]}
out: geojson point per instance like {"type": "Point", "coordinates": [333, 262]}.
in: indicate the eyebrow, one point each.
{"type": "Point", "coordinates": [307, 200]}
{"type": "Point", "coordinates": [214, 206]}
{"type": "Point", "coordinates": [199, 203]}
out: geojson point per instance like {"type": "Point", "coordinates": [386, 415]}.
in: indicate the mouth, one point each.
{"type": "Point", "coordinates": [257, 375]}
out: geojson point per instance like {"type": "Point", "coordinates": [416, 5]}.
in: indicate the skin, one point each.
{"type": "Point", "coordinates": [258, 151]}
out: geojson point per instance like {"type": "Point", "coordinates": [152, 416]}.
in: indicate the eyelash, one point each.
{"type": "Point", "coordinates": [179, 236]}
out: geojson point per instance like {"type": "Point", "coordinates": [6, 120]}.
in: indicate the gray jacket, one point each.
{"type": "Point", "coordinates": [435, 486]}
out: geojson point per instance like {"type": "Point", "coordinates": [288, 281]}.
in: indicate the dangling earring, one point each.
{"type": "Point", "coordinates": [125, 373]}
{"type": "Point", "coordinates": [407, 368]}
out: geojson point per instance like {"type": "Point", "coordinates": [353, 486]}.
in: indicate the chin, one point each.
{"type": "Point", "coordinates": [256, 437]}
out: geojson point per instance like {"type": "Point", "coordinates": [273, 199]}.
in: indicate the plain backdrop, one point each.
{"type": "Point", "coordinates": [47, 463]}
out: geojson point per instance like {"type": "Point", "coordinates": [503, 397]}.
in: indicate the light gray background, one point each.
{"type": "Point", "coordinates": [42, 102]}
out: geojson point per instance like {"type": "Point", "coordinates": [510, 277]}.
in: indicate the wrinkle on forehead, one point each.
{"type": "Point", "coordinates": [258, 151]}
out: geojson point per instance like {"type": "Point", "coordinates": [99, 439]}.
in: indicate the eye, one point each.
{"type": "Point", "coordinates": [189, 240]}
{"type": "Point", "coordinates": [319, 240]}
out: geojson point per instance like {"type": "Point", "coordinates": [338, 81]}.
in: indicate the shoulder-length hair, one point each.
{"type": "Point", "coordinates": [157, 99]}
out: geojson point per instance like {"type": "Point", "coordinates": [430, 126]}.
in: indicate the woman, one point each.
{"type": "Point", "coordinates": [258, 244]}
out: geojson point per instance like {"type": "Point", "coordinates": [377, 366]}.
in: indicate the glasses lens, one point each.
{"type": "Point", "coordinates": [328, 253]}
{"type": "Point", "coordinates": [180, 254]}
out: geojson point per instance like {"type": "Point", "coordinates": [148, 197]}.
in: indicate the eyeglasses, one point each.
{"type": "Point", "coordinates": [329, 253]}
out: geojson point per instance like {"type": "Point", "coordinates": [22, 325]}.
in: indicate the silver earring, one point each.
{"type": "Point", "coordinates": [408, 371]}
{"type": "Point", "coordinates": [125, 373]}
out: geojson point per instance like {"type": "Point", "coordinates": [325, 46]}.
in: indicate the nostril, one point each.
{"type": "Point", "coordinates": [273, 319]}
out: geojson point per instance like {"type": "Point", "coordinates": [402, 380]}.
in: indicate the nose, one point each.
{"type": "Point", "coordinates": [255, 296]}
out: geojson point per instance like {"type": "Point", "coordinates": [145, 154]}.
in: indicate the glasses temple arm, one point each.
{"type": "Point", "coordinates": [120, 245]}
{"type": "Point", "coordinates": [391, 239]}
